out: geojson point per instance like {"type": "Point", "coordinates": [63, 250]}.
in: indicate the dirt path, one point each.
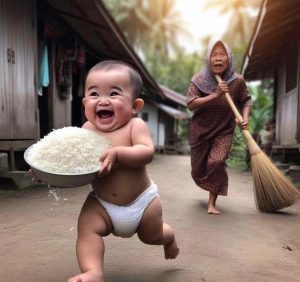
{"type": "Point", "coordinates": [38, 234]}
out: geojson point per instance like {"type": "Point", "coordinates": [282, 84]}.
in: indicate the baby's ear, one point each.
{"type": "Point", "coordinates": [83, 101]}
{"type": "Point", "coordinates": [138, 104]}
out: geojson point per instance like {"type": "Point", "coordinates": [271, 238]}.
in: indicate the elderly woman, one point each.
{"type": "Point", "coordinates": [213, 122]}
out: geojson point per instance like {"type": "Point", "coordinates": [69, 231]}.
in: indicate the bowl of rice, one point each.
{"type": "Point", "coordinates": [67, 157]}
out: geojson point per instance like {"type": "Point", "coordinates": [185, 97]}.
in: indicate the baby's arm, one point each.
{"type": "Point", "coordinates": [139, 154]}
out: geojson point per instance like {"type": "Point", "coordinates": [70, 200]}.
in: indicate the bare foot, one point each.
{"type": "Point", "coordinates": [89, 276]}
{"type": "Point", "coordinates": [171, 250]}
{"type": "Point", "coordinates": [212, 210]}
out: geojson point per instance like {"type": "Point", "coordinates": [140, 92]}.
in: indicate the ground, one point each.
{"type": "Point", "coordinates": [38, 234]}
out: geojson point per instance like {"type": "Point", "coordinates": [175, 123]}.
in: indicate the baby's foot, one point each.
{"type": "Point", "coordinates": [212, 210]}
{"type": "Point", "coordinates": [89, 276]}
{"type": "Point", "coordinates": [171, 250]}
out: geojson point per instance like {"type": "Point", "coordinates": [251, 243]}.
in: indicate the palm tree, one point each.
{"type": "Point", "coordinates": [130, 17]}
{"type": "Point", "coordinates": [165, 24]}
{"type": "Point", "coordinates": [151, 26]}
{"type": "Point", "coordinates": [241, 22]}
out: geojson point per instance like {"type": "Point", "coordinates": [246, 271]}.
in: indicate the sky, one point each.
{"type": "Point", "coordinates": [200, 22]}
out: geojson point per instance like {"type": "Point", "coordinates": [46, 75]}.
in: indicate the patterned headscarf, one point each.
{"type": "Point", "coordinates": [205, 80]}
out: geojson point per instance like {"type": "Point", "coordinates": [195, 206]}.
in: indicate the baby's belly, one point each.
{"type": "Point", "coordinates": [122, 186]}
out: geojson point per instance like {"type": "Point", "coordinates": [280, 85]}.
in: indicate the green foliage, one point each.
{"type": "Point", "coordinates": [261, 110]}
{"type": "Point", "coordinates": [262, 105]}
{"type": "Point", "coordinates": [237, 155]}
{"type": "Point", "coordinates": [238, 52]}
{"type": "Point", "coordinates": [152, 27]}
{"type": "Point", "coordinates": [178, 71]}
{"type": "Point", "coordinates": [176, 74]}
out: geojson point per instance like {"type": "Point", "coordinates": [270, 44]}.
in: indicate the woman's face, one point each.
{"type": "Point", "coordinates": [218, 59]}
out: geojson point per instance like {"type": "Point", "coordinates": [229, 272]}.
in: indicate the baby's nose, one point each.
{"type": "Point", "coordinates": [103, 101]}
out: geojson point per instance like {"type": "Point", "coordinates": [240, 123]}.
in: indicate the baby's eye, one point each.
{"type": "Point", "coordinates": [114, 93]}
{"type": "Point", "coordinates": [95, 94]}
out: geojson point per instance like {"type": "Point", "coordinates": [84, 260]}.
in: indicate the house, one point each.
{"type": "Point", "coordinates": [274, 53]}
{"type": "Point", "coordinates": [47, 46]}
{"type": "Point", "coordinates": [163, 119]}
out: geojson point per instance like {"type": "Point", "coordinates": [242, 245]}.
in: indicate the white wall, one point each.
{"type": "Point", "coordinates": [287, 106]}
{"type": "Point", "coordinates": [152, 120]}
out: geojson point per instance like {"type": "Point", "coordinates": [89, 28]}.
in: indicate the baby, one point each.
{"type": "Point", "coordinates": [267, 137]}
{"type": "Point", "coordinates": [124, 200]}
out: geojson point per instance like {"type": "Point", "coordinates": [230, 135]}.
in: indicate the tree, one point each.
{"type": "Point", "coordinates": [165, 24]}
{"type": "Point", "coordinates": [241, 20]}
{"type": "Point", "coordinates": [177, 73]}
{"type": "Point", "coordinates": [152, 27]}
{"type": "Point", "coordinates": [130, 17]}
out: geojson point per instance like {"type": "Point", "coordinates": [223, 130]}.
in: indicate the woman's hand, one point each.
{"type": "Point", "coordinates": [243, 124]}
{"type": "Point", "coordinates": [222, 88]}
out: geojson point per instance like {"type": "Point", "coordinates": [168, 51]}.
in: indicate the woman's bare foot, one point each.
{"type": "Point", "coordinates": [212, 210]}
{"type": "Point", "coordinates": [89, 276]}
{"type": "Point", "coordinates": [171, 250]}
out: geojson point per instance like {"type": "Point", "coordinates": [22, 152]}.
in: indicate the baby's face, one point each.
{"type": "Point", "coordinates": [108, 99]}
{"type": "Point", "coordinates": [268, 127]}
{"type": "Point", "coordinates": [218, 59]}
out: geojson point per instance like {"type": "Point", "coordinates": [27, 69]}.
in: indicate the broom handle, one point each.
{"type": "Point", "coordinates": [253, 147]}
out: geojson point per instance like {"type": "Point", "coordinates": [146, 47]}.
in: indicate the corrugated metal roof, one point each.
{"type": "Point", "coordinates": [278, 21]}
{"type": "Point", "coordinates": [172, 111]}
{"type": "Point", "coordinates": [173, 96]}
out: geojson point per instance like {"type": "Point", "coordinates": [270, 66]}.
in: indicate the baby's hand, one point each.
{"type": "Point", "coordinates": [108, 160]}
{"type": "Point", "coordinates": [33, 176]}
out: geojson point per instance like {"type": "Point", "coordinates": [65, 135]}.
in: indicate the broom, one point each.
{"type": "Point", "coordinates": [272, 189]}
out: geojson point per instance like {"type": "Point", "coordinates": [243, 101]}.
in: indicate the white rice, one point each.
{"type": "Point", "coordinates": [69, 150]}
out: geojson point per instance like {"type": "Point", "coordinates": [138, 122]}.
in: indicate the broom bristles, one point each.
{"type": "Point", "coordinates": [273, 190]}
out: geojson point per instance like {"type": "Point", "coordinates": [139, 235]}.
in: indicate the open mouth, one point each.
{"type": "Point", "coordinates": [105, 114]}
{"type": "Point", "coordinates": [218, 65]}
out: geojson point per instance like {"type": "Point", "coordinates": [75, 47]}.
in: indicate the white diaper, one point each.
{"type": "Point", "coordinates": [126, 219]}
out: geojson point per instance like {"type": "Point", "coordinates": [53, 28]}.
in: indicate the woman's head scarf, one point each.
{"type": "Point", "coordinates": [205, 80]}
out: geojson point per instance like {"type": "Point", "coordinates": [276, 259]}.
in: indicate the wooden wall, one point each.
{"type": "Point", "coordinates": [287, 113]}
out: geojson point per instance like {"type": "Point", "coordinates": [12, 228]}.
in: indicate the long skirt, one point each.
{"type": "Point", "coordinates": [208, 161]}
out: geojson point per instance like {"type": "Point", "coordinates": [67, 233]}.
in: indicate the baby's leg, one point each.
{"type": "Point", "coordinates": [93, 223]}
{"type": "Point", "coordinates": [152, 230]}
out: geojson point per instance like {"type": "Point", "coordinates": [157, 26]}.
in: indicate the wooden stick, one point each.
{"type": "Point", "coordinates": [253, 147]}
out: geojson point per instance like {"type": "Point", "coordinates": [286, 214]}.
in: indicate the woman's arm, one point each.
{"type": "Point", "coordinates": [245, 115]}
{"type": "Point", "coordinates": [196, 102]}
{"type": "Point", "coordinates": [245, 104]}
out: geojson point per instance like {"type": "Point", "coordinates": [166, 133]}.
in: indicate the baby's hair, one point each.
{"type": "Point", "coordinates": [115, 64]}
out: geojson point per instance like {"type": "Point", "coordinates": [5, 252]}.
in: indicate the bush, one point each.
{"type": "Point", "coordinates": [238, 152]}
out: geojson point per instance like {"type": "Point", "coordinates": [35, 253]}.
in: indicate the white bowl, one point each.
{"type": "Point", "coordinates": [59, 179]}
